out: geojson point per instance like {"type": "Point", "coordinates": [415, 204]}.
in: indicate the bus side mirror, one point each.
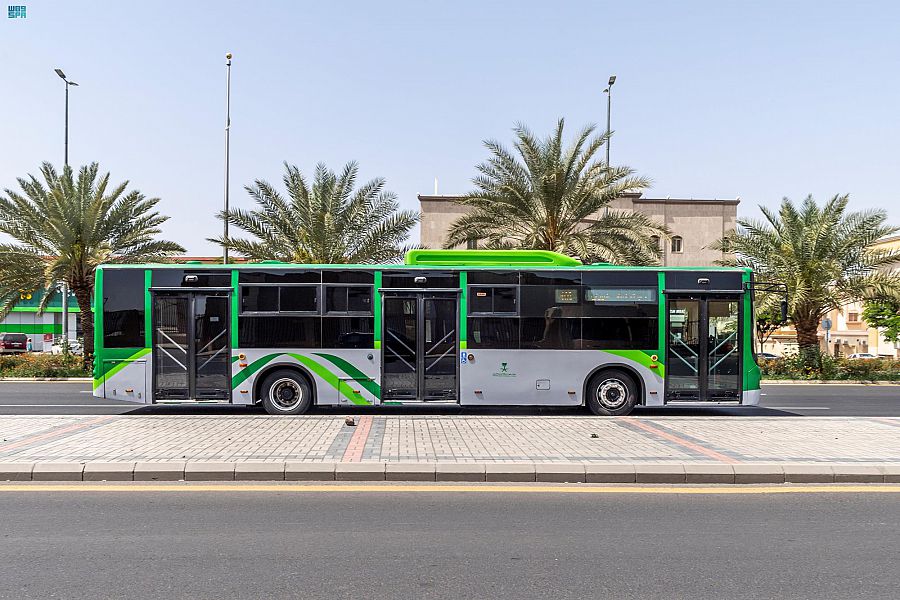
{"type": "Point", "coordinates": [784, 312]}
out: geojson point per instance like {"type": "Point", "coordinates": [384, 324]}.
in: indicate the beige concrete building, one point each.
{"type": "Point", "coordinates": [695, 224]}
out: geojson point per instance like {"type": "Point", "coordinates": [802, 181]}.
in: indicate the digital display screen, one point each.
{"type": "Point", "coordinates": [567, 296]}
{"type": "Point", "coordinates": [603, 295]}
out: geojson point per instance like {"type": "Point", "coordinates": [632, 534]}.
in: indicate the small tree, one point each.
{"type": "Point", "coordinates": [329, 223]}
{"type": "Point", "coordinates": [823, 254]}
{"type": "Point", "coordinates": [64, 226]}
{"type": "Point", "coordinates": [884, 314]}
{"type": "Point", "coordinates": [550, 196]}
{"type": "Point", "coordinates": [768, 321]}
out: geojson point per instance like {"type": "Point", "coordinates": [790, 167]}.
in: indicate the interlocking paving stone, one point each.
{"type": "Point", "coordinates": [450, 439]}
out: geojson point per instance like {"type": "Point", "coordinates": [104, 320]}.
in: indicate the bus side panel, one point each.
{"type": "Point", "coordinates": [346, 376]}
{"type": "Point", "coordinates": [544, 377]}
{"type": "Point", "coordinates": [125, 379]}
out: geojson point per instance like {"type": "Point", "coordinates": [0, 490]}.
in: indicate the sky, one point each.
{"type": "Point", "coordinates": [757, 100]}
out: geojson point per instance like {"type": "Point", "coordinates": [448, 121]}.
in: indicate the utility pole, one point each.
{"type": "Point", "coordinates": [65, 285]}
{"type": "Point", "coordinates": [227, 149]}
{"type": "Point", "coordinates": [608, 91]}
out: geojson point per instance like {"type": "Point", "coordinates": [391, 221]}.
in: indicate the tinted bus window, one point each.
{"type": "Point", "coordinates": [123, 308]}
{"type": "Point", "coordinates": [341, 276]}
{"type": "Point", "coordinates": [493, 277]}
{"type": "Point", "coordinates": [348, 332]}
{"type": "Point", "coordinates": [279, 276]}
{"type": "Point", "coordinates": [279, 332]}
{"type": "Point", "coordinates": [493, 332]}
{"type": "Point", "coordinates": [619, 333]}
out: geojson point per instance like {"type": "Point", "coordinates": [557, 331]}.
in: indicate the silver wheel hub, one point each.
{"type": "Point", "coordinates": [286, 394]}
{"type": "Point", "coordinates": [612, 393]}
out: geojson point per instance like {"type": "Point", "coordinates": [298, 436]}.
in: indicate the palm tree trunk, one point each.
{"type": "Point", "coordinates": [83, 297]}
{"type": "Point", "coordinates": [807, 333]}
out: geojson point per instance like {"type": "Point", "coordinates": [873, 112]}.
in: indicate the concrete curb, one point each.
{"type": "Point", "coordinates": [513, 472]}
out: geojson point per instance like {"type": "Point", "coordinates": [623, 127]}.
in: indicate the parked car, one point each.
{"type": "Point", "coordinates": [13, 343]}
{"type": "Point", "coordinates": [74, 347]}
{"type": "Point", "coordinates": [859, 355]}
{"type": "Point", "coordinates": [766, 356]}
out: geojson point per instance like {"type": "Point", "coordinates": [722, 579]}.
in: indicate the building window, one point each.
{"type": "Point", "coordinates": [677, 245]}
{"type": "Point", "coordinates": [853, 317]}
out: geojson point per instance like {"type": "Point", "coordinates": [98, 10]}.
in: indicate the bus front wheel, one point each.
{"type": "Point", "coordinates": [612, 393]}
{"type": "Point", "coordinates": [286, 392]}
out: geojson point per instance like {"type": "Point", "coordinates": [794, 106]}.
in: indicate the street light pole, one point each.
{"type": "Point", "coordinates": [65, 285]}
{"type": "Point", "coordinates": [608, 90]}
{"type": "Point", "coordinates": [227, 149]}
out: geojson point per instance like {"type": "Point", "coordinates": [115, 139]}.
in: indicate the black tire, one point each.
{"type": "Point", "coordinates": [285, 392]}
{"type": "Point", "coordinates": [612, 393]}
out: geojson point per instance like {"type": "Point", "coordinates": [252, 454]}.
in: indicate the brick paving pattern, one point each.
{"type": "Point", "coordinates": [450, 439]}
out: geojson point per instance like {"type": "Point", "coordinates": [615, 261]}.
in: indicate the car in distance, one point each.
{"type": "Point", "coordinates": [766, 356]}
{"type": "Point", "coordinates": [13, 343]}
{"type": "Point", "coordinates": [861, 355]}
{"type": "Point", "coordinates": [74, 347]}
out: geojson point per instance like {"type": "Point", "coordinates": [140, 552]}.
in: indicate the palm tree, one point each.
{"type": "Point", "coordinates": [550, 197]}
{"type": "Point", "coordinates": [64, 227]}
{"type": "Point", "coordinates": [823, 254]}
{"type": "Point", "coordinates": [328, 224]}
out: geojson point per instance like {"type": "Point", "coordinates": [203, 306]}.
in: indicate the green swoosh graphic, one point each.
{"type": "Point", "coordinates": [351, 370]}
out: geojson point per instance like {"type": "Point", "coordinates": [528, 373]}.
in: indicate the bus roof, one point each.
{"type": "Point", "coordinates": [424, 258]}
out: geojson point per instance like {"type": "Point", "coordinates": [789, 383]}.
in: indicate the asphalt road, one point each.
{"type": "Point", "coordinates": [46, 398]}
{"type": "Point", "coordinates": [447, 545]}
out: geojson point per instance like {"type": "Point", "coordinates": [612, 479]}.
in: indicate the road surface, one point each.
{"type": "Point", "coordinates": [46, 398]}
{"type": "Point", "coordinates": [383, 544]}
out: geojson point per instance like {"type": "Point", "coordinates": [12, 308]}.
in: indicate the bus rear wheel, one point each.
{"type": "Point", "coordinates": [612, 393]}
{"type": "Point", "coordinates": [286, 392]}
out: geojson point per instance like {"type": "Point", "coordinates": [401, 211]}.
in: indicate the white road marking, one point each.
{"type": "Point", "coordinates": [74, 405]}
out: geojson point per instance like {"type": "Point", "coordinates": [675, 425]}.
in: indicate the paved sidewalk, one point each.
{"type": "Point", "coordinates": [451, 439]}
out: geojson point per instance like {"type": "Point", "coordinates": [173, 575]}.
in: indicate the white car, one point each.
{"type": "Point", "coordinates": [862, 355]}
{"type": "Point", "coordinates": [74, 347]}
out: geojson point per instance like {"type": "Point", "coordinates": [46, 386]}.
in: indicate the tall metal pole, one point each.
{"type": "Point", "coordinates": [608, 120]}
{"type": "Point", "coordinates": [227, 141]}
{"type": "Point", "coordinates": [66, 156]}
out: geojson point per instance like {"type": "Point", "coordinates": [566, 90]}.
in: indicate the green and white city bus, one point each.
{"type": "Point", "coordinates": [469, 327]}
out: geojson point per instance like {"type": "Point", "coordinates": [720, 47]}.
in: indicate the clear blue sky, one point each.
{"type": "Point", "coordinates": [714, 99]}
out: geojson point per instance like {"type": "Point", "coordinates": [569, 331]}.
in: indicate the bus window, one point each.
{"type": "Point", "coordinates": [123, 308]}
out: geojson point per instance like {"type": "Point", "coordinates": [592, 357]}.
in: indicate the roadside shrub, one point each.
{"type": "Point", "coordinates": [827, 367]}
{"type": "Point", "coordinates": [37, 364]}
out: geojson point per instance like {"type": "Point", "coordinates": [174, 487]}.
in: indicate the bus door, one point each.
{"type": "Point", "coordinates": [420, 345]}
{"type": "Point", "coordinates": [191, 345]}
{"type": "Point", "coordinates": [703, 349]}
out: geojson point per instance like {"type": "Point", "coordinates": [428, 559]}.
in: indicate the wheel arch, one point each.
{"type": "Point", "coordinates": [300, 369]}
{"type": "Point", "coordinates": [642, 388]}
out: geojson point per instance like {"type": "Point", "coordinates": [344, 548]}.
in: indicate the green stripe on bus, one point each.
{"type": "Point", "coordinates": [317, 368]}
{"type": "Point", "coordinates": [329, 377]}
{"type": "Point", "coordinates": [642, 358]}
{"type": "Point", "coordinates": [116, 365]}
{"type": "Point", "coordinates": [357, 375]}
